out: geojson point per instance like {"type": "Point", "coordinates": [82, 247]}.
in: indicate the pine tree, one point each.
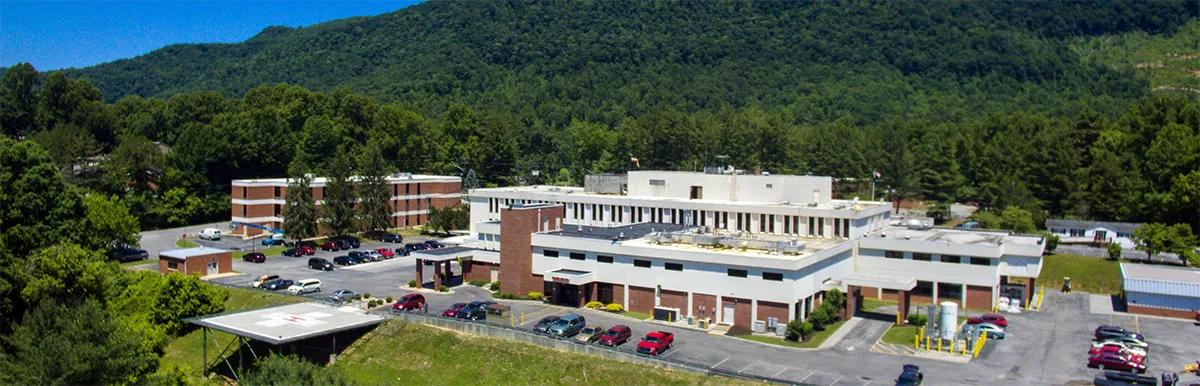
{"type": "Point", "coordinates": [374, 212]}
{"type": "Point", "coordinates": [338, 209]}
{"type": "Point", "coordinates": [300, 213]}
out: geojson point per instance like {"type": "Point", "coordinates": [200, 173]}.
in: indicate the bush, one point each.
{"type": "Point", "coordinates": [918, 320]}
{"type": "Point", "coordinates": [594, 305]}
{"type": "Point", "coordinates": [442, 288]}
{"type": "Point", "coordinates": [820, 317]}
{"type": "Point", "coordinates": [503, 295]}
{"type": "Point", "coordinates": [835, 299]}
{"type": "Point", "coordinates": [412, 284]}
{"type": "Point", "coordinates": [806, 329]}
{"type": "Point", "coordinates": [292, 370]}
{"type": "Point", "coordinates": [1114, 251]}
{"type": "Point", "coordinates": [614, 307]}
{"type": "Point", "coordinates": [495, 286]}
{"type": "Point", "coordinates": [389, 299]}
{"type": "Point", "coordinates": [534, 296]}
{"type": "Point", "coordinates": [372, 303]}
{"type": "Point", "coordinates": [1052, 241]}
{"type": "Point", "coordinates": [478, 283]}
{"type": "Point", "coordinates": [366, 296]}
{"type": "Point", "coordinates": [795, 330]}
{"type": "Point", "coordinates": [357, 297]}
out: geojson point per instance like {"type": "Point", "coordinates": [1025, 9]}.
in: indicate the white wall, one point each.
{"type": "Point", "coordinates": [797, 189]}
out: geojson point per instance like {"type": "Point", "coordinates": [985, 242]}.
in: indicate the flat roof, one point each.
{"type": "Point", "coordinates": [1160, 273]}
{"type": "Point", "coordinates": [881, 281]}
{"type": "Point", "coordinates": [317, 181]}
{"type": "Point", "coordinates": [289, 322]}
{"type": "Point", "coordinates": [1080, 224]}
{"type": "Point", "coordinates": [443, 254]}
{"type": "Point", "coordinates": [812, 245]}
{"type": "Point", "coordinates": [956, 236]}
{"type": "Point", "coordinates": [574, 191]}
{"type": "Point", "coordinates": [191, 252]}
{"type": "Point", "coordinates": [624, 232]}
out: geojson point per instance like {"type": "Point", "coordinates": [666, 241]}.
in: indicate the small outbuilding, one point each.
{"type": "Point", "coordinates": [201, 261]}
{"type": "Point", "coordinates": [1162, 291]}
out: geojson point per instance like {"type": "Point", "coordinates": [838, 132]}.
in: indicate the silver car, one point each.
{"type": "Point", "coordinates": [993, 331]}
{"type": "Point", "coordinates": [342, 295]}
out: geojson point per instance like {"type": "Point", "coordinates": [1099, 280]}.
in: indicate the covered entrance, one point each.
{"type": "Point", "coordinates": [568, 287]}
{"type": "Point", "coordinates": [856, 281]}
{"type": "Point", "coordinates": [442, 261]}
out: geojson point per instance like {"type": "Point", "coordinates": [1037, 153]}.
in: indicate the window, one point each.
{"type": "Point", "coordinates": [641, 263]}
{"type": "Point", "coordinates": [922, 256]}
{"type": "Point", "coordinates": [658, 182]}
{"type": "Point", "coordinates": [846, 228]}
{"type": "Point", "coordinates": [812, 225]}
{"type": "Point", "coordinates": [980, 261]}
{"type": "Point", "coordinates": [604, 259]}
{"type": "Point", "coordinates": [674, 267]}
{"type": "Point", "coordinates": [578, 256]}
{"type": "Point", "coordinates": [593, 212]}
{"type": "Point", "coordinates": [737, 272]}
{"type": "Point", "coordinates": [893, 254]}
{"type": "Point", "coordinates": [739, 221]}
{"type": "Point", "coordinates": [276, 192]}
{"type": "Point", "coordinates": [951, 259]}
{"type": "Point", "coordinates": [549, 253]}
{"type": "Point", "coordinates": [769, 186]}
{"type": "Point", "coordinates": [787, 225]}
{"type": "Point", "coordinates": [773, 276]}
{"type": "Point", "coordinates": [172, 265]}
{"type": "Point", "coordinates": [771, 224]}
{"type": "Point", "coordinates": [796, 225]}
{"type": "Point", "coordinates": [762, 223]}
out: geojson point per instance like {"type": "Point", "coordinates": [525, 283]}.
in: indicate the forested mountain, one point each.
{"type": "Point", "coordinates": [602, 61]}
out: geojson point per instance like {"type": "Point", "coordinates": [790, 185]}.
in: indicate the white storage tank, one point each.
{"type": "Point", "coordinates": [948, 323]}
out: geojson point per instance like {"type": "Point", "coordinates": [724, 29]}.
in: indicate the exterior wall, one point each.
{"type": "Point", "coordinates": [641, 299]}
{"type": "Point", "coordinates": [773, 310]}
{"type": "Point", "coordinates": [741, 311]}
{"type": "Point", "coordinates": [731, 187]}
{"type": "Point", "coordinates": [869, 292]}
{"type": "Point", "coordinates": [1170, 313]}
{"type": "Point", "coordinates": [480, 271]}
{"type": "Point", "coordinates": [1165, 303]}
{"type": "Point", "coordinates": [198, 265]}
{"type": "Point", "coordinates": [979, 298]}
{"type": "Point", "coordinates": [673, 299]}
{"type": "Point", "coordinates": [519, 225]}
{"type": "Point", "coordinates": [618, 296]}
{"type": "Point", "coordinates": [704, 306]}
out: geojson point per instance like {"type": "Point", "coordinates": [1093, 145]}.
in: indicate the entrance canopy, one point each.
{"type": "Point", "coordinates": [880, 281]}
{"type": "Point", "coordinates": [569, 276]}
{"type": "Point", "coordinates": [445, 254]}
{"type": "Point", "coordinates": [288, 323]}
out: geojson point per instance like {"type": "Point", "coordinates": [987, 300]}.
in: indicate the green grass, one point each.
{"type": "Point", "coordinates": [870, 305]}
{"type": "Point", "coordinates": [273, 251]}
{"type": "Point", "coordinates": [408, 353]}
{"type": "Point", "coordinates": [187, 350]}
{"type": "Point", "coordinates": [902, 335]}
{"type": "Point", "coordinates": [185, 243]}
{"type": "Point", "coordinates": [813, 341]}
{"type": "Point", "coordinates": [1088, 274]}
{"type": "Point", "coordinates": [635, 315]}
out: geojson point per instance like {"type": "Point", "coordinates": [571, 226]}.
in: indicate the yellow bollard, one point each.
{"type": "Point", "coordinates": [927, 343]}
{"type": "Point", "coordinates": [522, 317]}
{"type": "Point", "coordinates": [916, 342]}
{"type": "Point", "coordinates": [939, 345]}
{"type": "Point", "coordinates": [512, 319]}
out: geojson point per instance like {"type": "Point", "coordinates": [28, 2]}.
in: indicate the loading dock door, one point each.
{"type": "Point", "coordinates": [727, 314]}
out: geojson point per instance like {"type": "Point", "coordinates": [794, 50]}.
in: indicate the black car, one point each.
{"type": "Point", "coordinates": [910, 376]}
{"type": "Point", "coordinates": [1105, 332]}
{"type": "Point", "coordinates": [392, 238]}
{"type": "Point", "coordinates": [401, 252]}
{"type": "Point", "coordinates": [348, 242]}
{"type": "Point", "coordinates": [345, 260]}
{"type": "Point", "coordinates": [474, 311]}
{"type": "Point", "coordinates": [278, 284]}
{"type": "Point", "coordinates": [125, 254]}
{"type": "Point", "coordinates": [544, 324]}
{"type": "Point", "coordinates": [434, 244]}
{"type": "Point", "coordinates": [413, 247]}
{"type": "Point", "coordinates": [256, 257]}
{"type": "Point", "coordinates": [360, 255]}
{"type": "Point", "coordinates": [319, 263]}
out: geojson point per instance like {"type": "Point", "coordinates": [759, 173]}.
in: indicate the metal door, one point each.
{"type": "Point", "coordinates": [727, 314]}
{"type": "Point", "coordinates": [212, 268]}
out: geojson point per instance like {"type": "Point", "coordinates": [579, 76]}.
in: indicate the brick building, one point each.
{"type": "Point", "coordinates": [201, 261]}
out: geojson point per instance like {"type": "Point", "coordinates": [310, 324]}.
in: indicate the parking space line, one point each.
{"type": "Point", "coordinates": [748, 366]}
{"type": "Point", "coordinates": [806, 376]}
{"type": "Point", "coordinates": [780, 372]}
{"type": "Point", "coordinates": [719, 363]}
{"type": "Point", "coordinates": [836, 380]}
{"type": "Point", "coordinates": [673, 351]}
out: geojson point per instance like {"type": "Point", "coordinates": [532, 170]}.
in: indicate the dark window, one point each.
{"type": "Point", "coordinates": [277, 209]}
{"type": "Point", "coordinates": [244, 192]}
{"type": "Point", "coordinates": [604, 259]}
{"type": "Point", "coordinates": [922, 256]}
{"type": "Point", "coordinates": [951, 259]}
{"type": "Point", "coordinates": [737, 272]}
{"type": "Point", "coordinates": [762, 223]}
{"type": "Point", "coordinates": [950, 291]}
{"type": "Point", "coordinates": [980, 261]}
{"type": "Point", "coordinates": [658, 182]}
{"type": "Point", "coordinates": [893, 254]}
{"type": "Point", "coordinates": [578, 256]}
{"type": "Point", "coordinates": [923, 288]}
{"type": "Point", "coordinates": [774, 276]}
{"type": "Point", "coordinates": [276, 192]}
{"type": "Point", "coordinates": [549, 253]}
{"type": "Point", "coordinates": [674, 267]}
{"type": "Point", "coordinates": [172, 265]}
{"type": "Point", "coordinates": [771, 224]}
{"type": "Point", "coordinates": [604, 293]}
{"type": "Point", "coordinates": [739, 222]}
{"type": "Point", "coordinates": [641, 263]}
{"type": "Point", "coordinates": [787, 225]}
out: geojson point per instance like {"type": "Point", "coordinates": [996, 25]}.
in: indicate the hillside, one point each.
{"type": "Point", "coordinates": [603, 61]}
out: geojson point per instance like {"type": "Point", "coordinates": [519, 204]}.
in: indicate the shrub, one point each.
{"type": "Point", "coordinates": [357, 297]}
{"type": "Point", "coordinates": [443, 288]}
{"type": "Point", "coordinates": [389, 299]}
{"type": "Point", "coordinates": [534, 296]}
{"type": "Point", "coordinates": [478, 283]}
{"type": "Point", "coordinates": [820, 317]}
{"type": "Point", "coordinates": [1052, 241]}
{"type": "Point", "coordinates": [918, 320]}
{"type": "Point", "coordinates": [835, 299]}
{"type": "Point", "coordinates": [495, 286]}
{"type": "Point", "coordinates": [412, 284]}
{"type": "Point", "coordinates": [367, 295]}
{"type": "Point", "coordinates": [614, 307]}
{"type": "Point", "coordinates": [371, 304]}
{"type": "Point", "coordinates": [503, 295]}
{"type": "Point", "coordinates": [594, 305]}
{"type": "Point", "coordinates": [806, 329]}
{"type": "Point", "coordinates": [795, 329]}
{"type": "Point", "coordinates": [1114, 251]}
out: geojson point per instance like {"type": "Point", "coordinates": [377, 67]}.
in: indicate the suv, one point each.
{"type": "Point", "coordinates": [256, 257]}
{"type": "Point", "coordinates": [360, 256]}
{"type": "Point", "coordinates": [125, 254]}
{"type": "Point", "coordinates": [299, 251]}
{"type": "Point", "coordinates": [473, 311]}
{"type": "Point", "coordinates": [391, 238]}
{"type": "Point", "coordinates": [1104, 332]}
{"type": "Point", "coordinates": [616, 335]}
{"type": "Point", "coordinates": [409, 302]}
{"type": "Point", "coordinates": [319, 263]}
{"type": "Point", "coordinates": [305, 286]}
{"type": "Point", "coordinates": [568, 326]}
{"type": "Point", "coordinates": [331, 246]}
{"type": "Point", "coordinates": [345, 260]}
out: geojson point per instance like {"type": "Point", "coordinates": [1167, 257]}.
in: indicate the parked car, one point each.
{"type": "Point", "coordinates": [993, 331]}
{"type": "Point", "coordinates": [305, 286]}
{"type": "Point", "coordinates": [125, 254]}
{"type": "Point", "coordinates": [374, 256]}
{"type": "Point", "coordinates": [210, 234]}
{"type": "Point", "coordinates": [391, 238]}
{"type": "Point", "coordinates": [331, 246]}
{"type": "Point", "coordinates": [413, 247]}
{"type": "Point", "coordinates": [401, 252]}
{"type": "Point", "coordinates": [590, 334]}
{"type": "Point", "coordinates": [1140, 351]}
{"type": "Point", "coordinates": [342, 295]}
{"type": "Point", "coordinates": [256, 257]}
{"type": "Point", "coordinates": [1118, 350]}
{"type": "Point", "coordinates": [434, 244]}
{"type": "Point", "coordinates": [568, 326]}
{"type": "Point", "coordinates": [319, 263]}
{"type": "Point", "coordinates": [273, 239]}
{"type": "Point", "coordinates": [968, 225]}
{"type": "Point", "coordinates": [279, 284]}
{"type": "Point", "coordinates": [473, 311]}
{"type": "Point", "coordinates": [345, 260]}
{"type": "Point", "coordinates": [544, 324]}
{"type": "Point", "coordinates": [1129, 341]}
{"type": "Point", "coordinates": [616, 335]}
{"type": "Point", "coordinates": [655, 343]}
{"type": "Point", "coordinates": [347, 242]}
{"type": "Point", "coordinates": [262, 279]}
{"type": "Point", "coordinates": [360, 255]}
{"type": "Point", "coordinates": [300, 250]}
{"type": "Point", "coordinates": [910, 375]}
{"type": "Point", "coordinates": [453, 310]}
{"type": "Point", "coordinates": [386, 253]}
{"type": "Point", "coordinates": [1116, 362]}
{"type": "Point", "coordinates": [409, 302]}
{"type": "Point", "coordinates": [989, 318]}
{"type": "Point", "coordinates": [1104, 332]}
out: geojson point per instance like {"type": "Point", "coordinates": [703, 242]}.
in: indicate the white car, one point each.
{"type": "Point", "coordinates": [1134, 350]}
{"type": "Point", "coordinates": [305, 286]}
{"type": "Point", "coordinates": [1127, 341]}
{"type": "Point", "coordinates": [210, 234]}
{"type": "Point", "coordinates": [375, 256]}
{"type": "Point", "coordinates": [263, 280]}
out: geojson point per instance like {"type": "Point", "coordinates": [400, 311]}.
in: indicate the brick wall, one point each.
{"type": "Point", "coordinates": [741, 311]}
{"type": "Point", "coordinates": [641, 299]}
{"type": "Point", "coordinates": [516, 249]}
{"type": "Point", "coordinates": [979, 298]}
{"type": "Point", "coordinates": [1190, 315]}
{"type": "Point", "coordinates": [260, 192]}
{"type": "Point", "coordinates": [709, 302]}
{"type": "Point", "coordinates": [480, 271]}
{"type": "Point", "coordinates": [198, 265]}
{"type": "Point", "coordinates": [870, 292]}
{"type": "Point", "coordinates": [618, 294]}
{"type": "Point", "coordinates": [773, 310]}
{"type": "Point", "coordinates": [318, 193]}
{"type": "Point", "coordinates": [891, 295]}
{"type": "Point", "coordinates": [236, 192]}
{"type": "Point", "coordinates": [674, 299]}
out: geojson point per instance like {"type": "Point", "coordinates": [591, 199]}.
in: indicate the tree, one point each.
{"type": "Point", "coordinates": [17, 101]}
{"type": "Point", "coordinates": [66, 273]}
{"type": "Point", "coordinates": [1185, 195]}
{"type": "Point", "coordinates": [1155, 238]}
{"type": "Point", "coordinates": [178, 206]}
{"type": "Point", "coordinates": [1017, 220]}
{"type": "Point", "coordinates": [292, 370]}
{"type": "Point", "coordinates": [108, 224]}
{"type": "Point", "coordinates": [338, 209]}
{"type": "Point", "coordinates": [182, 296]}
{"type": "Point", "coordinates": [74, 343]}
{"type": "Point", "coordinates": [136, 164]}
{"type": "Point", "coordinates": [1114, 251]}
{"type": "Point", "coordinates": [300, 214]}
{"type": "Point", "coordinates": [375, 213]}
{"type": "Point", "coordinates": [1052, 241]}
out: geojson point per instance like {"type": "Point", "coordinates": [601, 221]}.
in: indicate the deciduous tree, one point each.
{"type": "Point", "coordinates": [339, 197]}
{"type": "Point", "coordinates": [375, 213]}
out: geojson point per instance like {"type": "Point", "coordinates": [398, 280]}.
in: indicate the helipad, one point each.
{"type": "Point", "coordinates": [288, 323]}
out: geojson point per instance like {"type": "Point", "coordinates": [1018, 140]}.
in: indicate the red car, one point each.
{"type": "Point", "coordinates": [1116, 362]}
{"type": "Point", "coordinates": [386, 253]}
{"type": "Point", "coordinates": [655, 343]}
{"type": "Point", "coordinates": [989, 318]}
{"type": "Point", "coordinates": [409, 302]}
{"type": "Point", "coordinates": [1117, 351]}
{"type": "Point", "coordinates": [300, 251]}
{"type": "Point", "coordinates": [331, 246]}
{"type": "Point", "coordinates": [453, 310]}
{"type": "Point", "coordinates": [616, 335]}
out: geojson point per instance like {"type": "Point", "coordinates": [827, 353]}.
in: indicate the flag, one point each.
{"type": "Point", "coordinates": [635, 161]}
{"type": "Point", "coordinates": [877, 175]}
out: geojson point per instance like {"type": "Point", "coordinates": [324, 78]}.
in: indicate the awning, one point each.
{"type": "Point", "coordinates": [569, 276]}
{"type": "Point", "coordinates": [445, 254]}
{"type": "Point", "coordinates": [880, 281]}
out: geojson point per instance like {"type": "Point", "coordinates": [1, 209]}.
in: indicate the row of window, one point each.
{"type": "Point", "coordinates": [733, 272]}
{"type": "Point", "coordinates": [942, 258]}
{"type": "Point", "coordinates": [395, 190]}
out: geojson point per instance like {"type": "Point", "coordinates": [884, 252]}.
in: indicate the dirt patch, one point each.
{"type": "Point", "coordinates": [1158, 64]}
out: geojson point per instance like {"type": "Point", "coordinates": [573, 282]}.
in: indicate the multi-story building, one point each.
{"type": "Point", "coordinates": [732, 248]}
{"type": "Point", "coordinates": [261, 201]}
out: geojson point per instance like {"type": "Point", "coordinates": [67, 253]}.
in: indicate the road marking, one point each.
{"type": "Point", "coordinates": [806, 376]}
{"type": "Point", "coordinates": [780, 372]}
{"type": "Point", "coordinates": [836, 380]}
{"type": "Point", "coordinates": [748, 366]}
{"type": "Point", "coordinates": [719, 363]}
{"type": "Point", "coordinates": [673, 351]}
{"type": "Point", "coordinates": [867, 382]}
{"type": "Point", "coordinates": [1137, 324]}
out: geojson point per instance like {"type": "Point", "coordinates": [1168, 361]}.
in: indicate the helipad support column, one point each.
{"type": "Point", "coordinates": [902, 304]}
{"type": "Point", "coordinates": [420, 271]}
{"type": "Point", "coordinates": [437, 275]}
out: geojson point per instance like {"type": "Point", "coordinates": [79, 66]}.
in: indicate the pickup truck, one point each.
{"type": "Point", "coordinates": [655, 342]}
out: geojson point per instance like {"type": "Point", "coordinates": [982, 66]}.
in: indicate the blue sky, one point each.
{"type": "Point", "coordinates": [54, 35]}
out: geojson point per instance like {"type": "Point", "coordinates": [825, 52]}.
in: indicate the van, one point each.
{"type": "Point", "coordinates": [305, 286]}
{"type": "Point", "coordinates": [210, 234]}
{"type": "Point", "coordinates": [568, 326]}
{"type": "Point", "coordinates": [264, 279]}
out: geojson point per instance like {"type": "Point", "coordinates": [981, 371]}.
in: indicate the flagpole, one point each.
{"type": "Point", "coordinates": [874, 177]}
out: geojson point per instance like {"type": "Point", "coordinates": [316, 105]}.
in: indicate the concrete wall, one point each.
{"type": "Point", "coordinates": [797, 189]}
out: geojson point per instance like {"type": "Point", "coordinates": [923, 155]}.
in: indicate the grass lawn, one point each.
{"type": "Point", "coordinates": [814, 341]}
{"type": "Point", "coordinates": [272, 251]}
{"type": "Point", "coordinates": [635, 315]}
{"type": "Point", "coordinates": [185, 243]}
{"type": "Point", "coordinates": [408, 353]}
{"type": "Point", "coordinates": [902, 335]}
{"type": "Point", "coordinates": [870, 305]}
{"type": "Point", "coordinates": [138, 262]}
{"type": "Point", "coordinates": [1088, 274]}
{"type": "Point", "coordinates": [187, 350]}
